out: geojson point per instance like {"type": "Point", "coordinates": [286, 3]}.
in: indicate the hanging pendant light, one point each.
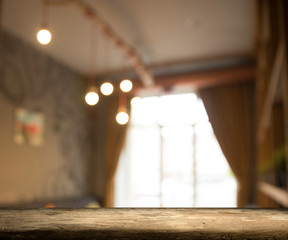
{"type": "Point", "coordinates": [122, 116]}
{"type": "Point", "coordinates": [92, 96]}
{"type": "Point", "coordinates": [44, 36]}
{"type": "Point", "coordinates": [106, 88]}
{"type": "Point", "coordinates": [126, 85]}
{"type": "Point", "coordinates": [135, 101]}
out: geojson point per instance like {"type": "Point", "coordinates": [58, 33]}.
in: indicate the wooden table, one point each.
{"type": "Point", "coordinates": [157, 223]}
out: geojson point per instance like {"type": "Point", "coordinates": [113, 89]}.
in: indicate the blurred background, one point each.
{"type": "Point", "coordinates": [201, 120]}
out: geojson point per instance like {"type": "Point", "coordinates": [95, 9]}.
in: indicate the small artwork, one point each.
{"type": "Point", "coordinates": [29, 127]}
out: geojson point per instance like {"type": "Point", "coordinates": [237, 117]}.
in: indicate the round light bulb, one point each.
{"type": "Point", "coordinates": [44, 36]}
{"type": "Point", "coordinates": [126, 85]}
{"type": "Point", "coordinates": [92, 98]}
{"type": "Point", "coordinates": [135, 101]}
{"type": "Point", "coordinates": [122, 118]}
{"type": "Point", "coordinates": [106, 88]}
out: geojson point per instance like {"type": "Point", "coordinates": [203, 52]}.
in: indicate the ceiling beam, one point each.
{"type": "Point", "coordinates": [206, 78]}
{"type": "Point", "coordinates": [137, 63]}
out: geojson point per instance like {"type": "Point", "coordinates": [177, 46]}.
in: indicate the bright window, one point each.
{"type": "Point", "coordinates": [172, 158]}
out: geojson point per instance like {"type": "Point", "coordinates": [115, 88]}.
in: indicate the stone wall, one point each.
{"type": "Point", "coordinates": [56, 169]}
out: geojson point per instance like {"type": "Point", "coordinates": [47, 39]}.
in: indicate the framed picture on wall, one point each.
{"type": "Point", "coordinates": [29, 126]}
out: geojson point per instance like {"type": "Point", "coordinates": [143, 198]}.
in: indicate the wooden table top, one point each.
{"type": "Point", "coordinates": [144, 223]}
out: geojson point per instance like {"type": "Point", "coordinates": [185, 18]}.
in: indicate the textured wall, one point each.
{"type": "Point", "coordinates": [57, 169]}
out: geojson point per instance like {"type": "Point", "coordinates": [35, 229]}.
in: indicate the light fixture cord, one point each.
{"type": "Point", "coordinates": [44, 13]}
{"type": "Point", "coordinates": [122, 101]}
{"type": "Point", "coordinates": [126, 66]}
{"type": "Point", "coordinates": [107, 57]}
{"type": "Point", "coordinates": [92, 54]}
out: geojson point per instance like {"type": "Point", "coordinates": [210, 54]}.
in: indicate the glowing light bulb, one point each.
{"type": "Point", "coordinates": [92, 97]}
{"type": "Point", "coordinates": [126, 85]}
{"type": "Point", "coordinates": [135, 101]}
{"type": "Point", "coordinates": [122, 118]}
{"type": "Point", "coordinates": [107, 88]}
{"type": "Point", "coordinates": [44, 36]}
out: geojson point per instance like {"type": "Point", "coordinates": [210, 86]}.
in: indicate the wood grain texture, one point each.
{"type": "Point", "coordinates": [144, 224]}
{"type": "Point", "coordinates": [274, 192]}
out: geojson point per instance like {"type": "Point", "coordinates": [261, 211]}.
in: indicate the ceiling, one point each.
{"type": "Point", "coordinates": [167, 34]}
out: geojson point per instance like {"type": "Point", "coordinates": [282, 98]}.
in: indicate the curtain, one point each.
{"type": "Point", "coordinates": [229, 108]}
{"type": "Point", "coordinates": [109, 138]}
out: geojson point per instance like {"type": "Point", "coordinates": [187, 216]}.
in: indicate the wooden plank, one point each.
{"type": "Point", "coordinates": [144, 224]}
{"type": "Point", "coordinates": [205, 78]}
{"type": "Point", "coordinates": [277, 194]}
{"type": "Point", "coordinates": [284, 81]}
{"type": "Point", "coordinates": [209, 78]}
{"type": "Point", "coordinates": [272, 88]}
